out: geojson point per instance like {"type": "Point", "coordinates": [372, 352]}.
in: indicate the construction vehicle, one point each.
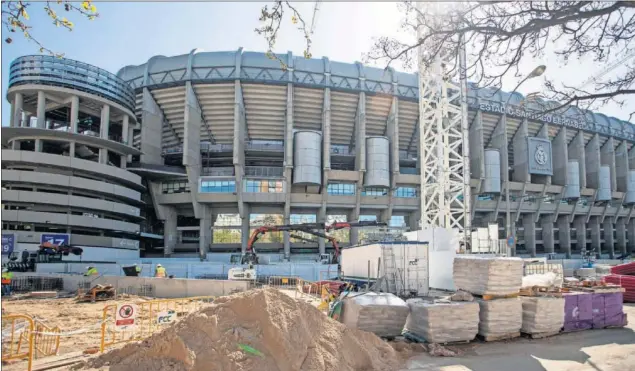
{"type": "Point", "coordinates": [242, 273]}
{"type": "Point", "coordinates": [250, 256]}
{"type": "Point", "coordinates": [47, 252]}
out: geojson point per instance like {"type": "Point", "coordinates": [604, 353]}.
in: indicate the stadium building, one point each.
{"type": "Point", "coordinates": [184, 155]}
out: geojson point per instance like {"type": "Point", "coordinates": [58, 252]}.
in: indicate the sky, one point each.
{"type": "Point", "coordinates": [131, 33]}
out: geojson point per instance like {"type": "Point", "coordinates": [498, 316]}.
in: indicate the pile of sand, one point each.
{"type": "Point", "coordinates": [289, 335]}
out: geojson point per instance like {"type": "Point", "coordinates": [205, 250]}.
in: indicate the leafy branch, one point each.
{"type": "Point", "coordinates": [15, 18]}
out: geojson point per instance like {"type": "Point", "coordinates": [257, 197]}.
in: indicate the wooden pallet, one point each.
{"type": "Point", "coordinates": [417, 339]}
{"type": "Point", "coordinates": [543, 291]}
{"type": "Point", "coordinates": [511, 335]}
{"type": "Point", "coordinates": [494, 297]}
{"type": "Point", "coordinates": [540, 335]}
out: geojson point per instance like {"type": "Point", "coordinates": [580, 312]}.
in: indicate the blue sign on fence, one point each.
{"type": "Point", "coordinates": [56, 238]}
{"type": "Point", "coordinates": [8, 243]}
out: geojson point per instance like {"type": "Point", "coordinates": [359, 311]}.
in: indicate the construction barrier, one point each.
{"type": "Point", "coordinates": [17, 338]}
{"type": "Point", "coordinates": [122, 323]}
{"type": "Point", "coordinates": [47, 340]}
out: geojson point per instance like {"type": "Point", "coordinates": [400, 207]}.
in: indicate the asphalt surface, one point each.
{"type": "Point", "coordinates": [597, 350]}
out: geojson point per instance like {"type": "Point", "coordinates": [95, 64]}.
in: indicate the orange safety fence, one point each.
{"type": "Point", "coordinates": [18, 338]}
{"type": "Point", "coordinates": [150, 317]}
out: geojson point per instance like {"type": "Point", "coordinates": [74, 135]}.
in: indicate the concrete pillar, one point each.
{"type": "Point", "coordinates": [104, 126]}
{"type": "Point", "coordinates": [205, 232]}
{"type": "Point", "coordinates": [621, 166]}
{"type": "Point", "coordinates": [15, 145]}
{"type": "Point", "coordinates": [577, 152]}
{"type": "Point", "coordinates": [521, 162]}
{"type": "Point", "coordinates": [607, 158]}
{"type": "Point", "coordinates": [123, 161]}
{"type": "Point", "coordinates": [630, 234]}
{"type": "Point", "coordinates": [74, 113]}
{"type": "Point", "coordinates": [360, 155]}
{"type": "Point", "coordinates": [321, 218]}
{"type": "Point", "coordinates": [546, 222]}
{"type": "Point", "coordinates": [288, 168]}
{"type": "Point", "coordinates": [594, 227]}
{"type": "Point", "coordinates": [103, 156]}
{"type": "Point", "coordinates": [17, 108]}
{"type": "Point", "coordinates": [620, 231]}
{"type": "Point", "coordinates": [244, 228]}
{"type": "Point", "coordinates": [193, 121]}
{"type": "Point", "coordinates": [38, 145]}
{"type": "Point", "coordinates": [71, 150]}
{"type": "Point", "coordinates": [151, 130]}
{"type": "Point", "coordinates": [354, 232]}
{"type": "Point", "coordinates": [564, 235]}
{"type": "Point", "coordinates": [125, 130]}
{"type": "Point", "coordinates": [170, 232]}
{"type": "Point", "coordinates": [477, 147]}
{"type": "Point", "coordinates": [41, 110]}
{"type": "Point", "coordinates": [560, 158]}
{"type": "Point", "coordinates": [609, 241]}
{"type": "Point", "coordinates": [530, 233]}
{"type": "Point", "coordinates": [592, 157]}
{"type": "Point", "coordinates": [579, 223]}
{"type": "Point", "coordinates": [27, 121]}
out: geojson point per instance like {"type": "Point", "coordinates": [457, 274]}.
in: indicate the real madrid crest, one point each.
{"type": "Point", "coordinates": [540, 155]}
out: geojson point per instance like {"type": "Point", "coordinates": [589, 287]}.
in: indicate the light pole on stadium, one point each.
{"type": "Point", "coordinates": [538, 71]}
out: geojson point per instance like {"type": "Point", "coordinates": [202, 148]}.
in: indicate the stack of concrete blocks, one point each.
{"type": "Point", "coordinates": [380, 313]}
{"type": "Point", "coordinates": [444, 322]}
{"type": "Point", "coordinates": [542, 315]}
{"type": "Point", "coordinates": [500, 318]}
{"type": "Point", "coordinates": [480, 275]}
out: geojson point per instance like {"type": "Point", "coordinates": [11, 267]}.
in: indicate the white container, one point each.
{"type": "Point", "coordinates": [360, 263]}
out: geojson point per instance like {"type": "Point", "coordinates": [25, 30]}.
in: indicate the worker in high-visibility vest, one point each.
{"type": "Point", "coordinates": [160, 272]}
{"type": "Point", "coordinates": [137, 269]}
{"type": "Point", "coordinates": [6, 281]}
{"type": "Point", "coordinates": [91, 271]}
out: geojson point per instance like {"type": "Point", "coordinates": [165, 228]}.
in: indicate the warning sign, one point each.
{"type": "Point", "coordinates": [125, 318]}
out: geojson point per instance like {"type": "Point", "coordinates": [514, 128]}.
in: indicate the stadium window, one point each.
{"type": "Point", "coordinates": [218, 186]}
{"type": "Point", "coordinates": [372, 191]}
{"type": "Point", "coordinates": [175, 186]}
{"type": "Point", "coordinates": [341, 189]}
{"type": "Point", "coordinates": [407, 192]}
{"type": "Point", "coordinates": [397, 221]}
{"type": "Point", "coordinates": [264, 186]}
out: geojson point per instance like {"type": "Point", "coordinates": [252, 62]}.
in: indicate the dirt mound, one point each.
{"type": "Point", "coordinates": [262, 330]}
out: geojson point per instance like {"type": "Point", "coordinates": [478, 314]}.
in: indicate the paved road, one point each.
{"type": "Point", "coordinates": [597, 350]}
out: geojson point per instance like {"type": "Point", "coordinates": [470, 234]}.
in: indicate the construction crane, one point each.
{"type": "Point", "coordinates": [250, 256]}
{"type": "Point", "coordinates": [608, 69]}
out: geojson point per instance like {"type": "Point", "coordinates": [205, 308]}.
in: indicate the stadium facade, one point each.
{"type": "Point", "coordinates": [202, 147]}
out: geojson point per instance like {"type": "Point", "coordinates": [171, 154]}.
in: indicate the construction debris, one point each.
{"type": "Point", "coordinates": [488, 275]}
{"type": "Point", "coordinates": [96, 293]}
{"type": "Point", "coordinates": [380, 313]}
{"type": "Point", "coordinates": [461, 296]}
{"type": "Point", "coordinates": [443, 322]}
{"type": "Point", "coordinates": [287, 335]}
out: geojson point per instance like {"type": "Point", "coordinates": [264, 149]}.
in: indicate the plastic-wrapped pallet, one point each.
{"type": "Point", "coordinates": [542, 314]}
{"type": "Point", "coordinates": [379, 313]}
{"type": "Point", "coordinates": [443, 322]}
{"type": "Point", "coordinates": [488, 275]}
{"type": "Point", "coordinates": [500, 317]}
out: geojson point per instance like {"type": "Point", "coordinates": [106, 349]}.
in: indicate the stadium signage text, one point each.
{"type": "Point", "coordinates": [534, 116]}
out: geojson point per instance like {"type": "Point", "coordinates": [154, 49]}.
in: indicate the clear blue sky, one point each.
{"type": "Point", "coordinates": [131, 33]}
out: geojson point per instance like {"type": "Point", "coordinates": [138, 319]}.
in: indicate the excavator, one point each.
{"type": "Point", "coordinates": [250, 256]}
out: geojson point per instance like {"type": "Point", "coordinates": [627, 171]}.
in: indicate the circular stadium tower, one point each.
{"type": "Point", "coordinates": [64, 159]}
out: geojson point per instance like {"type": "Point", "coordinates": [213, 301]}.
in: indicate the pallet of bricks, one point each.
{"type": "Point", "coordinates": [495, 282]}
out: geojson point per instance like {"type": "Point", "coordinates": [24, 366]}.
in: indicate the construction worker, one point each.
{"type": "Point", "coordinates": [6, 281]}
{"type": "Point", "coordinates": [160, 272]}
{"type": "Point", "coordinates": [137, 269]}
{"type": "Point", "coordinates": [91, 271]}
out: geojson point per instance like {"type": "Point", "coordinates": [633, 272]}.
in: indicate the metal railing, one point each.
{"type": "Point", "coordinates": [218, 171]}
{"type": "Point", "coordinates": [208, 147]}
{"type": "Point", "coordinates": [275, 147]}
{"type": "Point", "coordinates": [264, 171]}
{"type": "Point", "coordinates": [50, 70]}
{"type": "Point", "coordinates": [148, 318]}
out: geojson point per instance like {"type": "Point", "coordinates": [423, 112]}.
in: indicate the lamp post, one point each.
{"type": "Point", "coordinates": [538, 71]}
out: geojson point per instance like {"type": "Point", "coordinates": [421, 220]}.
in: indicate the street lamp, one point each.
{"type": "Point", "coordinates": [538, 71]}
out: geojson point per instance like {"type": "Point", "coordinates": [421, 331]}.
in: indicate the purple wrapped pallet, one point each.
{"type": "Point", "coordinates": [578, 312]}
{"type": "Point", "coordinates": [608, 310]}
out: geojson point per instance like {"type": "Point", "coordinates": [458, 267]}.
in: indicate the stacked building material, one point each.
{"type": "Point", "coordinates": [488, 275]}
{"type": "Point", "coordinates": [578, 311]}
{"type": "Point", "coordinates": [380, 313]}
{"type": "Point", "coordinates": [500, 318]}
{"type": "Point", "coordinates": [542, 315]}
{"type": "Point", "coordinates": [608, 310]}
{"type": "Point", "coordinates": [624, 269]}
{"type": "Point", "coordinates": [624, 275]}
{"type": "Point", "coordinates": [442, 322]}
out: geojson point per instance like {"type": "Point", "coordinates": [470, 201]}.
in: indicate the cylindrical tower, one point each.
{"type": "Point", "coordinates": [377, 162]}
{"type": "Point", "coordinates": [307, 158]}
{"type": "Point", "coordinates": [572, 190]}
{"type": "Point", "coordinates": [492, 181]}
